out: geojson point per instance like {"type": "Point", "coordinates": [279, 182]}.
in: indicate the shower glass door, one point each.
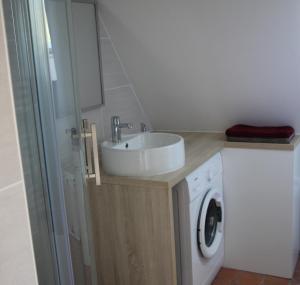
{"type": "Point", "coordinates": [59, 111]}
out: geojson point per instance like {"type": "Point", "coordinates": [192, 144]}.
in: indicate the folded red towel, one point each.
{"type": "Point", "coordinates": [246, 131]}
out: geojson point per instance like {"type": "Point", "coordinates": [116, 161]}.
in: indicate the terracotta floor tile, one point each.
{"type": "Point", "coordinates": [226, 276]}
{"type": "Point", "coordinates": [270, 280]}
{"type": "Point", "coordinates": [220, 281]}
{"type": "Point", "coordinates": [248, 278]}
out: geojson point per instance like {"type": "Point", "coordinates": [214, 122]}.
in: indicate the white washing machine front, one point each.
{"type": "Point", "coordinates": [201, 223]}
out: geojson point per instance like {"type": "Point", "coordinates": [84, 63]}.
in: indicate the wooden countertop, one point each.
{"type": "Point", "coordinates": [199, 147]}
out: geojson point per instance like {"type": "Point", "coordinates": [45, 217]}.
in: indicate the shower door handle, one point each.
{"type": "Point", "coordinates": [89, 135]}
{"type": "Point", "coordinates": [95, 154]}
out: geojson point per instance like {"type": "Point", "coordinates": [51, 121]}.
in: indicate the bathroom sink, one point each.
{"type": "Point", "coordinates": [144, 154]}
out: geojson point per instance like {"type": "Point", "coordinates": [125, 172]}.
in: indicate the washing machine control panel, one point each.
{"type": "Point", "coordinates": [203, 176]}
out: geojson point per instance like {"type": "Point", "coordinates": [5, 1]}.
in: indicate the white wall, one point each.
{"type": "Point", "coordinates": [120, 97]}
{"type": "Point", "coordinates": [206, 64]}
{"type": "Point", "coordinates": [17, 265]}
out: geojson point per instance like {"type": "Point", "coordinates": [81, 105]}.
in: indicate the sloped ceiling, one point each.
{"type": "Point", "coordinates": [207, 64]}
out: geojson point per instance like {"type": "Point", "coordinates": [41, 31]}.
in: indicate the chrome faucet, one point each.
{"type": "Point", "coordinates": [116, 126]}
{"type": "Point", "coordinates": [144, 128]}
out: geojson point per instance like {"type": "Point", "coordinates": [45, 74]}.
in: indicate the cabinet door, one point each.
{"type": "Point", "coordinates": [134, 234]}
{"type": "Point", "coordinates": [258, 194]}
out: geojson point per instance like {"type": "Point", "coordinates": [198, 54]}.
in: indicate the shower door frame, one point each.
{"type": "Point", "coordinates": [18, 32]}
{"type": "Point", "coordinates": [27, 31]}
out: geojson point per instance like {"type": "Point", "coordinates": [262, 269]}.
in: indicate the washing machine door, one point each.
{"type": "Point", "coordinates": [210, 223]}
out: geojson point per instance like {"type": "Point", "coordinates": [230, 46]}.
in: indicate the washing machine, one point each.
{"type": "Point", "coordinates": [199, 223]}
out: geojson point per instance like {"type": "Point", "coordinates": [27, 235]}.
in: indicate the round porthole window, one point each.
{"type": "Point", "coordinates": [211, 222]}
{"type": "Point", "coordinates": [210, 227]}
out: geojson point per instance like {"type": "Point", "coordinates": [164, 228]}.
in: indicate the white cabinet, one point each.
{"type": "Point", "coordinates": [261, 196]}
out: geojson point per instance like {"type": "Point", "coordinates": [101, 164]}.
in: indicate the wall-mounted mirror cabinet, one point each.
{"type": "Point", "coordinates": [86, 28]}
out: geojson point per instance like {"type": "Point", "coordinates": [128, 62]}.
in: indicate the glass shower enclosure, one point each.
{"type": "Point", "coordinates": [48, 114]}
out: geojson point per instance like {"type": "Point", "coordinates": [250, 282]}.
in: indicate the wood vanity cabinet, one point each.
{"type": "Point", "coordinates": [133, 232]}
{"type": "Point", "coordinates": [133, 220]}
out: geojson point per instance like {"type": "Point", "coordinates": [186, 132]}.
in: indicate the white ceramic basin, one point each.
{"type": "Point", "coordinates": [144, 154]}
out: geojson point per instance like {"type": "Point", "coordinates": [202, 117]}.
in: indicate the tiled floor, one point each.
{"type": "Point", "coordinates": [236, 277]}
